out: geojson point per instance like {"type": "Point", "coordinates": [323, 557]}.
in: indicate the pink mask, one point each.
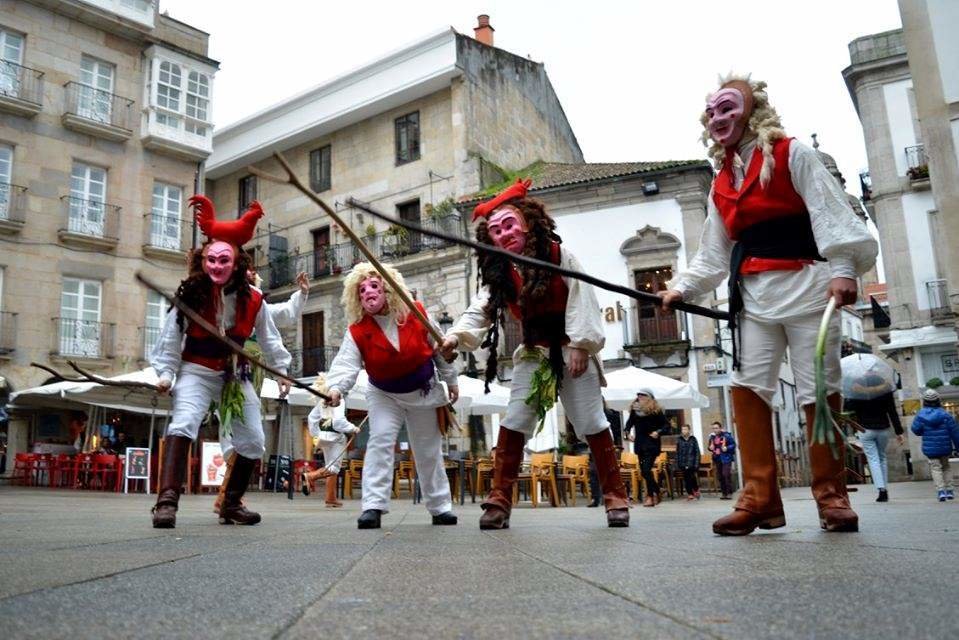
{"type": "Point", "coordinates": [507, 229]}
{"type": "Point", "coordinates": [219, 262]}
{"type": "Point", "coordinates": [725, 111]}
{"type": "Point", "coordinates": [372, 295]}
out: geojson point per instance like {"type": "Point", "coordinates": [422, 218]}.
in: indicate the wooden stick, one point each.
{"type": "Point", "coordinates": [540, 264]}
{"type": "Point", "coordinates": [89, 377]}
{"type": "Point", "coordinates": [400, 291]}
{"type": "Point", "coordinates": [214, 332]}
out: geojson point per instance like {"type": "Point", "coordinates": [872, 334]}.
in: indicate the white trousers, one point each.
{"type": "Point", "coordinates": [333, 450]}
{"type": "Point", "coordinates": [762, 346]}
{"type": "Point", "coordinates": [195, 388]}
{"type": "Point", "coordinates": [582, 399]}
{"type": "Point", "coordinates": [387, 414]}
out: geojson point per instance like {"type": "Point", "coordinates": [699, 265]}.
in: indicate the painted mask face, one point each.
{"type": "Point", "coordinates": [372, 295]}
{"type": "Point", "coordinates": [726, 111]}
{"type": "Point", "coordinates": [219, 262]}
{"type": "Point", "coordinates": [507, 229]}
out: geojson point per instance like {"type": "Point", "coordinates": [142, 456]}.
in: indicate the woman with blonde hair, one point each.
{"type": "Point", "coordinates": [329, 428]}
{"type": "Point", "coordinates": [645, 424]}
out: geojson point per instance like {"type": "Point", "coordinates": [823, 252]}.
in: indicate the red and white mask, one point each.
{"type": "Point", "coordinates": [727, 112]}
{"type": "Point", "coordinates": [507, 229]}
{"type": "Point", "coordinates": [219, 262]}
{"type": "Point", "coordinates": [372, 295]}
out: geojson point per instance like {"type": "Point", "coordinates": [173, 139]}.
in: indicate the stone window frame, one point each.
{"type": "Point", "coordinates": [649, 248]}
{"type": "Point", "coordinates": [407, 138]}
{"type": "Point", "coordinates": [321, 169]}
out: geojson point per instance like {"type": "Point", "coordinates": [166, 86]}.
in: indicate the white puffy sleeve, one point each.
{"type": "Point", "coordinates": [446, 370]}
{"type": "Point", "coordinates": [346, 366]}
{"type": "Point", "coordinates": [285, 314]}
{"type": "Point", "coordinates": [315, 419]}
{"type": "Point", "coordinates": [841, 237]}
{"type": "Point", "coordinates": [340, 423]}
{"type": "Point", "coordinates": [584, 322]}
{"type": "Point", "coordinates": [168, 350]}
{"type": "Point", "coordinates": [471, 327]}
{"type": "Point", "coordinates": [270, 341]}
{"type": "Point", "coordinates": [710, 266]}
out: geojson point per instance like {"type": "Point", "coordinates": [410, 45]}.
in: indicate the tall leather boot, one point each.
{"type": "Point", "coordinates": [610, 479]}
{"type": "Point", "coordinates": [222, 490]}
{"type": "Point", "coordinates": [829, 477]}
{"type": "Point", "coordinates": [760, 504]}
{"type": "Point", "coordinates": [499, 502]}
{"type": "Point", "coordinates": [175, 452]}
{"type": "Point", "coordinates": [331, 501]}
{"type": "Point", "coordinates": [233, 511]}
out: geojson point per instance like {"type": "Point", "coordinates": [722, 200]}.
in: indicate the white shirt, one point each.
{"type": "Point", "coordinates": [841, 237]}
{"type": "Point", "coordinates": [584, 322]}
{"type": "Point", "coordinates": [167, 353]}
{"type": "Point", "coordinates": [336, 414]}
{"type": "Point", "coordinates": [285, 314]}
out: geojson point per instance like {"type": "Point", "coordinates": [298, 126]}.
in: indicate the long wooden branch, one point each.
{"type": "Point", "coordinates": [235, 348]}
{"type": "Point", "coordinates": [533, 262]}
{"type": "Point", "coordinates": [89, 377]}
{"type": "Point", "coordinates": [292, 179]}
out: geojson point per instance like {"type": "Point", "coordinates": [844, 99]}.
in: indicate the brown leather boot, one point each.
{"type": "Point", "coordinates": [175, 451]}
{"type": "Point", "coordinates": [233, 511]}
{"type": "Point", "coordinates": [829, 477]}
{"type": "Point", "coordinates": [331, 501]}
{"type": "Point", "coordinates": [222, 490]}
{"type": "Point", "coordinates": [610, 480]}
{"type": "Point", "coordinates": [760, 504]}
{"type": "Point", "coordinates": [499, 502]}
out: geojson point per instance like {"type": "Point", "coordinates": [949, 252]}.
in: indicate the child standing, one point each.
{"type": "Point", "coordinates": [940, 434]}
{"type": "Point", "coordinates": [687, 459]}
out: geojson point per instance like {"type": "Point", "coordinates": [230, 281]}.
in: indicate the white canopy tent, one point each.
{"type": "Point", "coordinates": [622, 385]}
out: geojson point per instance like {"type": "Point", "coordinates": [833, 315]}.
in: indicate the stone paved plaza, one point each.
{"type": "Point", "coordinates": [88, 565]}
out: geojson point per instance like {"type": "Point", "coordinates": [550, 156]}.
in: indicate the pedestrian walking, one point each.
{"type": "Point", "coordinates": [875, 416]}
{"type": "Point", "coordinates": [687, 459]}
{"type": "Point", "coordinates": [940, 435]}
{"type": "Point", "coordinates": [645, 425]}
{"type": "Point", "coordinates": [723, 447]}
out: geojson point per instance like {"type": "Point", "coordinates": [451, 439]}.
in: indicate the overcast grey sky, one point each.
{"type": "Point", "coordinates": [631, 75]}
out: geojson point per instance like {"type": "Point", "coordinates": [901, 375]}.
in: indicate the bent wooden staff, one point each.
{"type": "Point", "coordinates": [89, 377]}
{"type": "Point", "coordinates": [213, 331]}
{"type": "Point", "coordinates": [540, 264]}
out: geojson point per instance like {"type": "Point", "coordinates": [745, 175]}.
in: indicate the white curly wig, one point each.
{"type": "Point", "coordinates": [351, 296]}
{"type": "Point", "coordinates": [320, 385]}
{"type": "Point", "coordinates": [764, 123]}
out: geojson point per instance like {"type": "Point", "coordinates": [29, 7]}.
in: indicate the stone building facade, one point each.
{"type": "Point", "coordinates": [104, 115]}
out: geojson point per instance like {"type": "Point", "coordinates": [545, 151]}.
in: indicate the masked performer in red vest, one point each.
{"type": "Point", "coordinates": [206, 370]}
{"type": "Point", "coordinates": [562, 333]}
{"type": "Point", "coordinates": [404, 371]}
{"type": "Point", "coordinates": [780, 227]}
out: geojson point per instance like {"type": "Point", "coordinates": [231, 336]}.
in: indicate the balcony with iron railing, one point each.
{"type": "Point", "coordinates": [166, 236]}
{"type": "Point", "coordinates": [21, 89]}
{"type": "Point", "coordinates": [937, 293]}
{"type": "Point", "coordinates": [311, 361]}
{"type": "Point", "coordinates": [97, 112]}
{"type": "Point", "coordinates": [13, 208]}
{"type": "Point", "coordinates": [149, 337]}
{"type": "Point", "coordinates": [8, 333]}
{"type": "Point", "coordinates": [917, 166]}
{"type": "Point", "coordinates": [85, 339]}
{"type": "Point", "coordinates": [658, 337]}
{"type": "Point", "coordinates": [90, 222]}
{"type": "Point", "coordinates": [393, 245]}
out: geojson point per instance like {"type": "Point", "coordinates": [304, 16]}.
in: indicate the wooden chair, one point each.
{"type": "Point", "coordinates": [541, 470]}
{"type": "Point", "coordinates": [661, 473]}
{"type": "Point", "coordinates": [576, 471]}
{"type": "Point", "coordinates": [404, 470]}
{"type": "Point", "coordinates": [629, 472]}
{"type": "Point", "coordinates": [483, 475]}
{"type": "Point", "coordinates": [705, 475]}
{"type": "Point", "coordinates": [354, 475]}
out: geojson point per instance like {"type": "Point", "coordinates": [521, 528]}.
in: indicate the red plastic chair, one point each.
{"type": "Point", "coordinates": [43, 469]}
{"type": "Point", "coordinates": [63, 472]}
{"type": "Point", "coordinates": [83, 474]}
{"type": "Point", "coordinates": [104, 467]}
{"type": "Point", "coordinates": [23, 467]}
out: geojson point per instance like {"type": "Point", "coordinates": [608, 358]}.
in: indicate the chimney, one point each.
{"type": "Point", "coordinates": [483, 31]}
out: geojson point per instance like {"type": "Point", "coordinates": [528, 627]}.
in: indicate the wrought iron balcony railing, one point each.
{"type": "Point", "coordinates": [150, 336]}
{"type": "Point", "coordinates": [91, 218]}
{"type": "Point", "coordinates": [99, 106]}
{"type": "Point", "coordinates": [83, 338]}
{"type": "Point", "coordinates": [659, 329]}
{"type": "Point", "coordinates": [12, 203]}
{"type": "Point", "coordinates": [21, 83]}
{"type": "Point", "coordinates": [311, 361]}
{"type": "Point", "coordinates": [167, 232]}
{"type": "Point", "coordinates": [916, 163]}
{"type": "Point", "coordinates": [8, 333]}
{"type": "Point", "coordinates": [937, 292]}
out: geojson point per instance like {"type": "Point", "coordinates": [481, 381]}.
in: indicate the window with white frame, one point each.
{"type": "Point", "coordinates": [197, 102]}
{"type": "Point", "coordinates": [168, 93]}
{"type": "Point", "coordinates": [88, 194]}
{"type": "Point", "coordinates": [182, 98]}
{"type": "Point", "coordinates": [6, 173]}
{"type": "Point", "coordinates": [165, 223]}
{"type": "Point", "coordinates": [94, 101]}
{"type": "Point", "coordinates": [153, 323]}
{"type": "Point", "coordinates": [11, 56]}
{"type": "Point", "coordinates": [80, 329]}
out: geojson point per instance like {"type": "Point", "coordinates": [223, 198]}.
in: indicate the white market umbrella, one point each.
{"type": "Point", "coordinates": [622, 385]}
{"type": "Point", "coordinates": [865, 376]}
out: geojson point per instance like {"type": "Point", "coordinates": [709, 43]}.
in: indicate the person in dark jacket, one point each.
{"type": "Point", "coordinates": [645, 424]}
{"type": "Point", "coordinates": [723, 447]}
{"type": "Point", "coordinates": [940, 435]}
{"type": "Point", "coordinates": [687, 459]}
{"type": "Point", "coordinates": [875, 416]}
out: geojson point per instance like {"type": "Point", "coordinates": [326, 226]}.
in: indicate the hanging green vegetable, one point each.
{"type": "Point", "coordinates": [824, 427]}
{"type": "Point", "coordinates": [543, 388]}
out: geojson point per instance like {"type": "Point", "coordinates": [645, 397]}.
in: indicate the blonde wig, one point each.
{"type": "Point", "coordinates": [351, 293]}
{"type": "Point", "coordinates": [764, 124]}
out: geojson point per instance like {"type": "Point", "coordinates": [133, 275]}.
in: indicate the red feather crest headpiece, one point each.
{"type": "Point", "coordinates": [237, 232]}
{"type": "Point", "coordinates": [513, 192]}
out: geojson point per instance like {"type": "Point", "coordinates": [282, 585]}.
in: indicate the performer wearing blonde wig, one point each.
{"type": "Point", "coordinates": [329, 428]}
{"type": "Point", "coordinates": [399, 356]}
{"type": "Point", "coordinates": [780, 228]}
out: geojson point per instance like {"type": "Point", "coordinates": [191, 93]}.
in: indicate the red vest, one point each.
{"type": "Point", "coordinates": [206, 351]}
{"type": "Point", "coordinates": [381, 359]}
{"type": "Point", "coordinates": [557, 294]}
{"type": "Point", "coordinates": [753, 204]}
